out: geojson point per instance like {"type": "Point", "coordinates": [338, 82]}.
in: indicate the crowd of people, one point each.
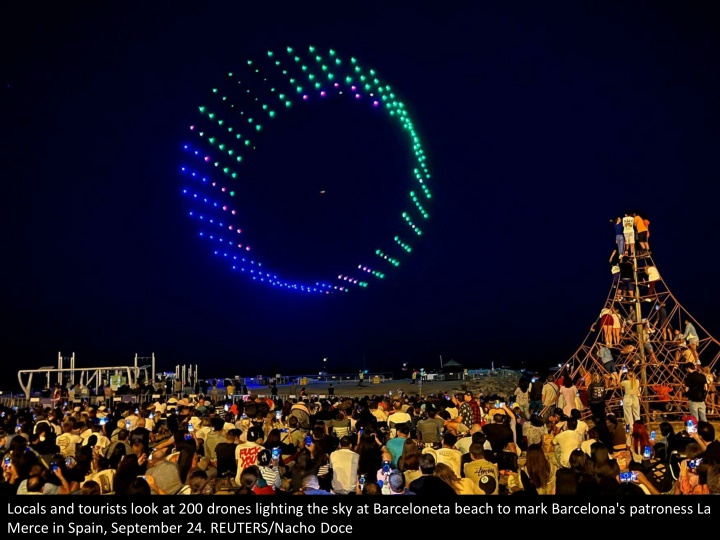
{"type": "Point", "coordinates": [534, 441]}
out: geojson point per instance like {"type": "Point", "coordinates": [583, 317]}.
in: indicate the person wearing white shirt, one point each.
{"type": "Point", "coordinates": [451, 407]}
{"type": "Point", "coordinates": [628, 223]}
{"type": "Point", "coordinates": [344, 464]}
{"type": "Point", "coordinates": [566, 441]}
{"type": "Point", "coordinates": [592, 438]}
{"type": "Point", "coordinates": [653, 276]}
{"type": "Point", "coordinates": [159, 407]}
{"type": "Point", "coordinates": [397, 417]}
{"type": "Point", "coordinates": [131, 421]}
{"type": "Point", "coordinates": [377, 412]}
{"type": "Point", "coordinates": [447, 454]}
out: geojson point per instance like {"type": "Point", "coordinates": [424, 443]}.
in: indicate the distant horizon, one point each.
{"type": "Point", "coordinates": [396, 375]}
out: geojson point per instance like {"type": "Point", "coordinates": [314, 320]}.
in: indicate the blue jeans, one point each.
{"type": "Point", "coordinates": [620, 241]}
{"type": "Point", "coordinates": [536, 405]}
{"type": "Point", "coordinates": [697, 409]}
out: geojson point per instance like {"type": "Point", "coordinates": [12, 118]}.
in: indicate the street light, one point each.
{"type": "Point", "coordinates": [324, 368]}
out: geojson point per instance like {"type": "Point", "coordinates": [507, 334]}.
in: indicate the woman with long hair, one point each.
{"type": "Point", "coordinates": [693, 473]}
{"type": "Point", "coordinates": [117, 454]}
{"type": "Point", "coordinates": [186, 452]}
{"type": "Point", "coordinates": [522, 396]}
{"type": "Point", "coordinates": [302, 468]}
{"type": "Point", "coordinates": [274, 440]}
{"type": "Point", "coordinates": [639, 439]}
{"type": "Point", "coordinates": [321, 464]}
{"type": "Point", "coordinates": [126, 474]}
{"type": "Point", "coordinates": [606, 322]}
{"type": "Point", "coordinates": [568, 392]}
{"type": "Point", "coordinates": [631, 397]}
{"type": "Point", "coordinates": [575, 479]}
{"type": "Point", "coordinates": [537, 476]}
{"type": "Point", "coordinates": [370, 455]}
{"type": "Point", "coordinates": [249, 478]}
{"type": "Point", "coordinates": [617, 325]}
{"type": "Point", "coordinates": [711, 399]}
{"type": "Point", "coordinates": [461, 486]}
{"type": "Point", "coordinates": [601, 464]}
{"type": "Point", "coordinates": [411, 466]}
{"type": "Point", "coordinates": [410, 446]}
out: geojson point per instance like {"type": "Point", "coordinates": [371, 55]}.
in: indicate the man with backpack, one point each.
{"type": "Point", "coordinates": [550, 391]}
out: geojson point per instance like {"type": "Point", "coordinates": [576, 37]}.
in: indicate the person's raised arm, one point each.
{"type": "Point", "coordinates": [642, 479]}
{"type": "Point", "coordinates": [64, 484]}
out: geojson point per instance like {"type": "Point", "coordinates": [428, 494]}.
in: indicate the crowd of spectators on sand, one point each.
{"type": "Point", "coordinates": [532, 442]}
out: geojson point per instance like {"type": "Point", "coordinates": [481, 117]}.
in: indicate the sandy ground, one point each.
{"type": "Point", "coordinates": [351, 389]}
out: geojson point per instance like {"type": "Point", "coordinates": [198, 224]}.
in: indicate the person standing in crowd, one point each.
{"type": "Point", "coordinates": [522, 396]}
{"type": "Point", "coordinates": [597, 395]}
{"type": "Point", "coordinates": [711, 390]}
{"type": "Point", "coordinates": [628, 223]}
{"type": "Point", "coordinates": [631, 397]}
{"type": "Point", "coordinates": [536, 388]}
{"type": "Point", "coordinates": [696, 392]}
{"type": "Point", "coordinates": [550, 393]}
{"type": "Point", "coordinates": [568, 392]}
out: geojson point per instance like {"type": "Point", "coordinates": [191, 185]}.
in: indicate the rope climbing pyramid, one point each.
{"type": "Point", "coordinates": [644, 327]}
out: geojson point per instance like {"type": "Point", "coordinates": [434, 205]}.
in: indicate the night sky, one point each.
{"type": "Point", "coordinates": [541, 121]}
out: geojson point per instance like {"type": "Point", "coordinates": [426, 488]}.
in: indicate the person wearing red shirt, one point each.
{"type": "Point", "coordinates": [477, 413]}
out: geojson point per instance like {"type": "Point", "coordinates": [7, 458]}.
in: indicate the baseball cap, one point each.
{"type": "Point", "coordinates": [468, 393]}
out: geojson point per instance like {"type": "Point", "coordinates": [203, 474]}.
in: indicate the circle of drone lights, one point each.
{"type": "Point", "coordinates": [225, 134]}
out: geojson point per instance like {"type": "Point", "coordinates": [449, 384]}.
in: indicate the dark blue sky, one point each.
{"type": "Point", "coordinates": [540, 121]}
